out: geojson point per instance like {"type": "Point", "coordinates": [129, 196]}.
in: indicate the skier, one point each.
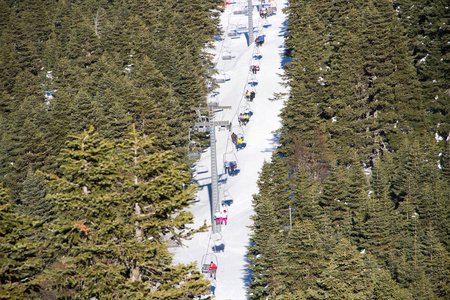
{"type": "Point", "coordinates": [239, 143]}
{"type": "Point", "coordinates": [234, 138]}
{"type": "Point", "coordinates": [241, 119]}
{"type": "Point", "coordinates": [246, 118]}
{"type": "Point", "coordinates": [259, 40]}
{"type": "Point", "coordinates": [252, 96]}
{"type": "Point", "coordinates": [247, 95]}
{"type": "Point", "coordinates": [218, 217]}
{"type": "Point", "coordinates": [232, 168]}
{"type": "Point", "coordinates": [212, 269]}
{"type": "Point", "coordinates": [224, 216]}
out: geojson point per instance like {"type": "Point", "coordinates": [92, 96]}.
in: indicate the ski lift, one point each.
{"type": "Point", "coordinates": [246, 109]}
{"type": "Point", "coordinates": [242, 28]}
{"type": "Point", "coordinates": [194, 149]}
{"type": "Point", "coordinates": [237, 136]}
{"type": "Point", "coordinates": [256, 53]}
{"type": "Point", "coordinates": [230, 163]}
{"type": "Point", "coordinates": [250, 88]}
{"type": "Point", "coordinates": [207, 259]}
{"type": "Point", "coordinates": [253, 81]}
{"type": "Point", "coordinates": [218, 242]}
{"type": "Point", "coordinates": [202, 125]}
{"type": "Point", "coordinates": [227, 55]}
{"type": "Point", "coordinates": [221, 77]}
{"type": "Point", "coordinates": [233, 30]}
{"type": "Point", "coordinates": [227, 200]}
{"type": "Point", "coordinates": [240, 10]}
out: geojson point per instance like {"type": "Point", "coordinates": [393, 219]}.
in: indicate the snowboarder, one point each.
{"type": "Point", "coordinates": [212, 269]}
{"type": "Point", "coordinates": [224, 217]}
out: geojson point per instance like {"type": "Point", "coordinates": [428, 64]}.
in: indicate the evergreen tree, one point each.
{"type": "Point", "coordinates": [32, 197]}
{"type": "Point", "coordinates": [20, 258]}
{"type": "Point", "coordinates": [264, 252]}
{"type": "Point", "coordinates": [117, 207]}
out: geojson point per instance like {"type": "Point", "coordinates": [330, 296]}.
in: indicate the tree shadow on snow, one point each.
{"type": "Point", "coordinates": [283, 28]}
{"type": "Point", "coordinates": [273, 142]}
{"type": "Point", "coordinates": [247, 278]}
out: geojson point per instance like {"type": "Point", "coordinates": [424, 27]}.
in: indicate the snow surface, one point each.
{"type": "Point", "coordinates": [233, 275]}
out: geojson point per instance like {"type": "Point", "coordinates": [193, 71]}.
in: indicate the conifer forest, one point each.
{"type": "Point", "coordinates": [95, 107]}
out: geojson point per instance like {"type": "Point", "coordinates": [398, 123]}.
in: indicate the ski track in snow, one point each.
{"type": "Point", "coordinates": [233, 275]}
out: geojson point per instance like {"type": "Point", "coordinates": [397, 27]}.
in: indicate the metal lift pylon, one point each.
{"type": "Point", "coordinates": [214, 176]}
{"type": "Point", "coordinates": [250, 22]}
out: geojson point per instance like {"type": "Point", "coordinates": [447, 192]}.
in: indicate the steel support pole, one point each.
{"type": "Point", "coordinates": [250, 22]}
{"type": "Point", "coordinates": [214, 177]}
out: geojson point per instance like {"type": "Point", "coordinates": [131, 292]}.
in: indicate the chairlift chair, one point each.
{"type": "Point", "coordinates": [239, 131]}
{"type": "Point", "coordinates": [242, 28]}
{"type": "Point", "coordinates": [227, 55]}
{"type": "Point", "coordinates": [194, 149]}
{"type": "Point", "coordinates": [230, 158]}
{"type": "Point", "coordinates": [240, 10]}
{"type": "Point", "coordinates": [201, 125]}
{"type": "Point", "coordinates": [232, 30]}
{"type": "Point", "coordinates": [246, 108]}
{"type": "Point", "coordinates": [217, 240]}
{"type": "Point", "coordinates": [207, 259]}
{"type": "Point", "coordinates": [253, 81]}
{"type": "Point", "coordinates": [227, 199]}
{"type": "Point", "coordinates": [221, 77]}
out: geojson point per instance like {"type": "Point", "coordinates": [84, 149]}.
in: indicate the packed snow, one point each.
{"type": "Point", "coordinates": [229, 247]}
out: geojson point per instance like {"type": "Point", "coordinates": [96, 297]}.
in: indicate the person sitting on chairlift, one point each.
{"type": "Point", "coordinates": [212, 269]}
{"type": "Point", "coordinates": [232, 167]}
{"type": "Point", "coordinates": [218, 217]}
{"type": "Point", "coordinates": [246, 118]}
{"type": "Point", "coordinates": [234, 138]}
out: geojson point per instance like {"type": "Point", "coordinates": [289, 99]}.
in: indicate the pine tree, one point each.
{"type": "Point", "coordinates": [19, 254]}
{"type": "Point", "coordinates": [303, 258]}
{"type": "Point", "coordinates": [117, 208]}
{"type": "Point", "coordinates": [32, 197]}
{"type": "Point", "coordinates": [264, 251]}
{"type": "Point", "coordinates": [307, 47]}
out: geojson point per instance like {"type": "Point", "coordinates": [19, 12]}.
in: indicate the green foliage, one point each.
{"type": "Point", "coordinates": [117, 206]}
{"type": "Point", "coordinates": [363, 155]}
{"type": "Point", "coordinates": [20, 255]}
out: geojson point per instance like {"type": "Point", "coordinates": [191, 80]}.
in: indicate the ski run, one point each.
{"type": "Point", "coordinates": [234, 58]}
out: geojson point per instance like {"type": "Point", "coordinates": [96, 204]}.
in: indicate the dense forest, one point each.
{"type": "Point", "coordinates": [95, 108]}
{"type": "Point", "coordinates": [355, 203]}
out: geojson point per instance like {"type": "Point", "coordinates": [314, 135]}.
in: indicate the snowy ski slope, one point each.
{"type": "Point", "coordinates": [236, 191]}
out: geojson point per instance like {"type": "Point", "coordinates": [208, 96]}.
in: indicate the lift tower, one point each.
{"type": "Point", "coordinates": [214, 176]}
{"type": "Point", "coordinates": [250, 22]}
